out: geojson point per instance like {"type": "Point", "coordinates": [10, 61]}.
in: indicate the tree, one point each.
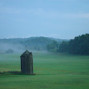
{"type": "Point", "coordinates": [78, 45]}
{"type": "Point", "coordinates": [63, 47]}
{"type": "Point", "coordinates": [53, 47]}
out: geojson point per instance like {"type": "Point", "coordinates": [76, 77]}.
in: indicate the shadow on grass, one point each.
{"type": "Point", "coordinates": [13, 73]}
{"type": "Point", "coordinates": [20, 73]}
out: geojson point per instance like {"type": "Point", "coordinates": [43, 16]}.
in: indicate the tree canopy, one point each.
{"type": "Point", "coordinates": [78, 45]}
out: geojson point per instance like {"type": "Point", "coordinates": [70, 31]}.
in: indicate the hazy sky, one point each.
{"type": "Point", "coordinates": [51, 18]}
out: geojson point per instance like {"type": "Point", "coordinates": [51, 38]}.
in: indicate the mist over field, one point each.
{"type": "Point", "coordinates": [21, 44]}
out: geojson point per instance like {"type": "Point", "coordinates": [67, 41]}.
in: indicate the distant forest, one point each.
{"type": "Point", "coordinates": [22, 44]}
{"type": "Point", "coordinates": [78, 45]}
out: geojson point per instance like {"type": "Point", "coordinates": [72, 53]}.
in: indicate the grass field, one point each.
{"type": "Point", "coordinates": [53, 71]}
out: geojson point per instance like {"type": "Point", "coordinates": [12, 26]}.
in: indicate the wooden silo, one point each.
{"type": "Point", "coordinates": [27, 62]}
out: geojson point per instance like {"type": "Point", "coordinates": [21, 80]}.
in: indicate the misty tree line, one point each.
{"type": "Point", "coordinates": [78, 45]}
{"type": "Point", "coordinates": [13, 45]}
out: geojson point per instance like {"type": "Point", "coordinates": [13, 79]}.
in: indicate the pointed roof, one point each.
{"type": "Point", "coordinates": [26, 53]}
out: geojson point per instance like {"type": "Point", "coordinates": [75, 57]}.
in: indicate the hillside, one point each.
{"type": "Point", "coordinates": [21, 44]}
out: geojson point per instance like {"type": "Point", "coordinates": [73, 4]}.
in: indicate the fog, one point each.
{"type": "Point", "coordinates": [20, 45]}
{"type": "Point", "coordinates": [11, 48]}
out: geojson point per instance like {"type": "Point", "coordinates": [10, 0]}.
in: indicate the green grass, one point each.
{"type": "Point", "coordinates": [53, 71]}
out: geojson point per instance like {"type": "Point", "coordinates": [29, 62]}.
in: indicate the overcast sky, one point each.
{"type": "Point", "coordinates": [63, 19]}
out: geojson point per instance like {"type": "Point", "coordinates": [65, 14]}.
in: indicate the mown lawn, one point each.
{"type": "Point", "coordinates": [52, 71]}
